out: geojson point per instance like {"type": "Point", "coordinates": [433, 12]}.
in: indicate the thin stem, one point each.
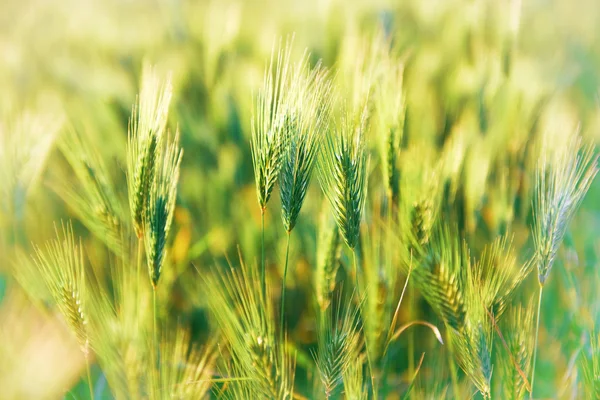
{"type": "Point", "coordinates": [263, 278]}
{"type": "Point", "coordinates": [369, 363]}
{"type": "Point", "coordinates": [537, 329]}
{"type": "Point", "coordinates": [355, 264]}
{"type": "Point", "coordinates": [155, 331]}
{"type": "Point", "coordinates": [453, 372]}
{"type": "Point", "coordinates": [285, 269]}
{"type": "Point", "coordinates": [411, 335]}
{"type": "Point", "coordinates": [140, 255]}
{"type": "Point", "coordinates": [89, 376]}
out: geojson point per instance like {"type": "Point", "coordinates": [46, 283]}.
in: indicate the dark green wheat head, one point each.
{"type": "Point", "coordinates": [339, 341]}
{"type": "Point", "coordinates": [304, 124]}
{"type": "Point", "coordinates": [145, 136]}
{"type": "Point", "coordinates": [268, 140]}
{"type": "Point", "coordinates": [161, 205]}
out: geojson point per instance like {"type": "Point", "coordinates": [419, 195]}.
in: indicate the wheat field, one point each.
{"type": "Point", "coordinates": [259, 199]}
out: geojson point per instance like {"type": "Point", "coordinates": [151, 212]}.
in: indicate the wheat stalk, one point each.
{"type": "Point", "coordinates": [268, 143]}
{"type": "Point", "coordinates": [519, 341]}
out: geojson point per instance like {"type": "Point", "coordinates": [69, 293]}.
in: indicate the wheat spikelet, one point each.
{"type": "Point", "coordinates": [145, 136]}
{"type": "Point", "coordinates": [61, 266]}
{"type": "Point", "coordinates": [268, 142]}
{"type": "Point", "coordinates": [343, 173]}
{"type": "Point", "coordinates": [161, 204]}
{"type": "Point", "coordinates": [562, 181]}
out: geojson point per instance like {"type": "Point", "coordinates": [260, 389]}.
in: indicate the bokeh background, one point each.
{"type": "Point", "coordinates": [76, 64]}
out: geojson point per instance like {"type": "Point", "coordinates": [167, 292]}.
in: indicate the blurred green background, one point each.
{"type": "Point", "coordinates": [512, 67]}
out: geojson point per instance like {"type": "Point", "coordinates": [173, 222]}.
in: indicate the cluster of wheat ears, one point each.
{"type": "Point", "coordinates": [371, 255]}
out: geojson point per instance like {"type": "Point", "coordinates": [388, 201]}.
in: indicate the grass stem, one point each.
{"type": "Point", "coordinates": [155, 331]}
{"type": "Point", "coordinates": [89, 376]}
{"type": "Point", "coordinates": [285, 269]}
{"type": "Point", "coordinates": [537, 329]}
{"type": "Point", "coordinates": [263, 277]}
{"type": "Point", "coordinates": [453, 371]}
{"type": "Point", "coordinates": [411, 335]}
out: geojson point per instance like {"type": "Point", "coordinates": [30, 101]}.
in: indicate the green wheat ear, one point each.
{"type": "Point", "coordinates": [145, 136]}
{"type": "Point", "coordinates": [343, 172]}
{"type": "Point", "coordinates": [304, 123]}
{"type": "Point", "coordinates": [562, 180]}
{"type": "Point", "coordinates": [519, 338]}
{"type": "Point", "coordinates": [161, 205]}
{"type": "Point", "coordinates": [61, 266]}
{"type": "Point", "coordinates": [247, 322]}
{"type": "Point", "coordinates": [268, 144]}
{"type": "Point", "coordinates": [94, 200]}
{"type": "Point", "coordinates": [339, 342]}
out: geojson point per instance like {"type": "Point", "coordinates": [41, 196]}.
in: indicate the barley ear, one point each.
{"type": "Point", "coordinates": [305, 119]}
{"type": "Point", "coordinates": [519, 336]}
{"type": "Point", "coordinates": [268, 142]}
{"type": "Point", "coordinates": [563, 178]}
{"type": "Point", "coordinates": [161, 205]}
{"type": "Point", "coordinates": [145, 136]}
{"type": "Point", "coordinates": [339, 342]}
{"type": "Point", "coordinates": [61, 266]}
{"type": "Point", "coordinates": [343, 173]}
{"type": "Point", "coordinates": [94, 200]}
